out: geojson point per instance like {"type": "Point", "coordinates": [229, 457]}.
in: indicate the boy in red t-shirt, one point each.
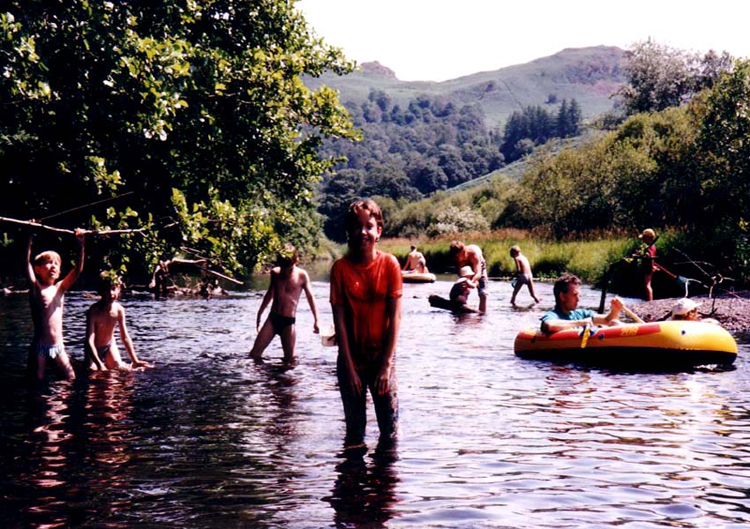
{"type": "Point", "coordinates": [366, 300]}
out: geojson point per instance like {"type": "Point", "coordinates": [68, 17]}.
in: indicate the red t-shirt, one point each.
{"type": "Point", "coordinates": [362, 290]}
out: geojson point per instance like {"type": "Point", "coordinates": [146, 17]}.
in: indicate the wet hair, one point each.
{"type": "Point", "coordinates": [413, 247]}
{"type": "Point", "coordinates": [456, 248]}
{"type": "Point", "coordinates": [47, 256]}
{"type": "Point", "coordinates": [363, 205]}
{"type": "Point", "coordinates": [287, 256]}
{"type": "Point", "coordinates": [107, 280]}
{"type": "Point", "coordinates": [563, 284]}
{"type": "Point", "coordinates": [515, 250]}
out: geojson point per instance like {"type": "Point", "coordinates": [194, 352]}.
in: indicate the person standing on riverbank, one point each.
{"type": "Point", "coordinates": [647, 256]}
{"type": "Point", "coordinates": [287, 283]}
{"type": "Point", "coordinates": [523, 274]}
{"type": "Point", "coordinates": [366, 290]}
{"type": "Point", "coordinates": [471, 255]}
{"type": "Point", "coordinates": [46, 297]}
{"type": "Point", "coordinates": [567, 315]}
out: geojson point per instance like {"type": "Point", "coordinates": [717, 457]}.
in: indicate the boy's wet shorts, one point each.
{"type": "Point", "coordinates": [482, 286]}
{"type": "Point", "coordinates": [49, 351]}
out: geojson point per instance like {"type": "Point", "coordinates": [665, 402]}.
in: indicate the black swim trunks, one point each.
{"type": "Point", "coordinates": [279, 323]}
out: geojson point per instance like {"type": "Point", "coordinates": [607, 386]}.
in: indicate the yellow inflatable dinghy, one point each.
{"type": "Point", "coordinates": [657, 345]}
{"type": "Point", "coordinates": [414, 277]}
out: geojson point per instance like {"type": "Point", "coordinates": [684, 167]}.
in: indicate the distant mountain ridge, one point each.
{"type": "Point", "coordinates": [588, 75]}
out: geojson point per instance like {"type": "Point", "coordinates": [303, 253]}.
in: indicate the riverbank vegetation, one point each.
{"type": "Point", "coordinates": [683, 169]}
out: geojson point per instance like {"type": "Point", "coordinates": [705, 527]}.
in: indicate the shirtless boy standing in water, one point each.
{"type": "Point", "coordinates": [46, 297]}
{"type": "Point", "coordinates": [287, 283]}
{"type": "Point", "coordinates": [101, 347]}
{"type": "Point", "coordinates": [523, 274]}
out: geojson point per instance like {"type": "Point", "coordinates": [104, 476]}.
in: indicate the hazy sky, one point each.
{"type": "Point", "coordinates": [435, 40]}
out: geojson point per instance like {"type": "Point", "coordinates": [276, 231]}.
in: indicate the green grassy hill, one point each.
{"type": "Point", "coordinates": [589, 75]}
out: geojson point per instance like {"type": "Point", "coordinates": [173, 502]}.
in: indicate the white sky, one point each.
{"type": "Point", "coordinates": [435, 40]}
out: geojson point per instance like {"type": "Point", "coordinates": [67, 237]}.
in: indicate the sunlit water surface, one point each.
{"type": "Point", "coordinates": [209, 439]}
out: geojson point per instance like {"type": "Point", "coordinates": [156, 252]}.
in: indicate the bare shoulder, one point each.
{"type": "Point", "coordinates": [95, 311]}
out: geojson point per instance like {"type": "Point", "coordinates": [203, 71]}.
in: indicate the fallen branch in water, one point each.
{"type": "Point", "coordinates": [62, 230]}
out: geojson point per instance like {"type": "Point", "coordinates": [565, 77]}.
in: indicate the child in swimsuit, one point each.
{"type": "Point", "coordinates": [46, 297]}
{"type": "Point", "coordinates": [101, 318]}
{"type": "Point", "coordinates": [523, 274]}
{"type": "Point", "coordinates": [287, 283]}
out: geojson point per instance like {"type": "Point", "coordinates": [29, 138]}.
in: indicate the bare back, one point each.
{"type": "Point", "coordinates": [471, 256]}
{"type": "Point", "coordinates": [287, 286]}
{"type": "Point", "coordinates": [522, 264]}
{"type": "Point", "coordinates": [412, 261]}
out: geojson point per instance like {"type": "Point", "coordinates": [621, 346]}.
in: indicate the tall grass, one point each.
{"type": "Point", "coordinates": [587, 258]}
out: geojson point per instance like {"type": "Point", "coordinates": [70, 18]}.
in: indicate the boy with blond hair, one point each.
{"type": "Point", "coordinates": [46, 298]}
{"type": "Point", "coordinates": [102, 352]}
{"type": "Point", "coordinates": [523, 274]}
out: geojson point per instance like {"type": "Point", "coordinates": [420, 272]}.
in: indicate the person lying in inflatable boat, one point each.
{"type": "Point", "coordinates": [566, 313]}
{"type": "Point", "coordinates": [687, 310]}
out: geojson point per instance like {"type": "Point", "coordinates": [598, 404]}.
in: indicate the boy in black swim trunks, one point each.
{"type": "Point", "coordinates": [287, 283]}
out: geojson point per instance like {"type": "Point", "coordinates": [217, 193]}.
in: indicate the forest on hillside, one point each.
{"type": "Point", "coordinates": [431, 145]}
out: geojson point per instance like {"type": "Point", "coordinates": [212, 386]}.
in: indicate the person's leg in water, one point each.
{"type": "Point", "coordinates": [517, 284]}
{"type": "Point", "coordinates": [386, 408]}
{"type": "Point", "coordinates": [355, 414]}
{"type": "Point", "coordinates": [289, 343]}
{"type": "Point", "coordinates": [264, 338]}
{"type": "Point", "coordinates": [531, 291]}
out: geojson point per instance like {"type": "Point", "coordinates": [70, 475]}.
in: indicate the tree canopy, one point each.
{"type": "Point", "coordinates": [195, 107]}
{"type": "Point", "coordinates": [660, 76]}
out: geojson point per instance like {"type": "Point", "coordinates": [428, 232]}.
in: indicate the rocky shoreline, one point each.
{"type": "Point", "coordinates": [732, 310]}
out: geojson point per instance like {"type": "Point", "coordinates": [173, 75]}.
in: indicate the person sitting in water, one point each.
{"type": "Point", "coordinates": [687, 310]}
{"type": "Point", "coordinates": [461, 289]}
{"type": "Point", "coordinates": [102, 317]}
{"type": "Point", "coordinates": [415, 262]}
{"type": "Point", "coordinates": [567, 315]}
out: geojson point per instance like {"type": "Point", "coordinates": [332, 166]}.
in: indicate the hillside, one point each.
{"type": "Point", "coordinates": [588, 75]}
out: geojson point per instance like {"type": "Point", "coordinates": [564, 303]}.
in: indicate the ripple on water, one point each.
{"type": "Point", "coordinates": [208, 438]}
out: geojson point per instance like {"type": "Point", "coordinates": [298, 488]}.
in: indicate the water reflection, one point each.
{"type": "Point", "coordinates": [364, 494]}
{"type": "Point", "coordinates": [210, 439]}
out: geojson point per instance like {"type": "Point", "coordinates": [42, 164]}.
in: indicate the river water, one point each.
{"type": "Point", "coordinates": [209, 439]}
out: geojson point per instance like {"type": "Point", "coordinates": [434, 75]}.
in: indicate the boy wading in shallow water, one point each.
{"type": "Point", "coordinates": [523, 274]}
{"type": "Point", "coordinates": [101, 347]}
{"type": "Point", "coordinates": [366, 300]}
{"type": "Point", "coordinates": [287, 283]}
{"type": "Point", "coordinates": [46, 297]}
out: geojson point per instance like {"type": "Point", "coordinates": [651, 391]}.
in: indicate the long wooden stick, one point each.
{"type": "Point", "coordinates": [225, 277]}
{"type": "Point", "coordinates": [62, 230]}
